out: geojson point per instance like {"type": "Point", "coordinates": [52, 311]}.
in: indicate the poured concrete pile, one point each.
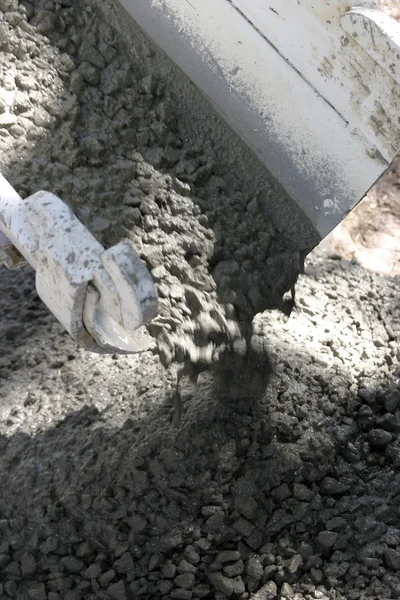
{"type": "Point", "coordinates": [292, 497]}
{"type": "Point", "coordinates": [109, 125]}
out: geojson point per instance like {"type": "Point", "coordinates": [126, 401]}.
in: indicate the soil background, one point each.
{"type": "Point", "coordinates": [370, 234]}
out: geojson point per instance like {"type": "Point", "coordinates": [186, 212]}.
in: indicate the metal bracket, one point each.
{"type": "Point", "coordinates": [378, 34]}
{"type": "Point", "coordinates": [101, 297]}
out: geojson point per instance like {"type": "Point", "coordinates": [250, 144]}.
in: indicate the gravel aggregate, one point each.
{"type": "Point", "coordinates": [100, 498]}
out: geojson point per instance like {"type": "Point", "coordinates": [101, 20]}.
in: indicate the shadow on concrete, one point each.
{"type": "Point", "coordinates": [118, 488]}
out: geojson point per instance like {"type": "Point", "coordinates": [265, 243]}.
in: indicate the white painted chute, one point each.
{"type": "Point", "coordinates": [318, 108]}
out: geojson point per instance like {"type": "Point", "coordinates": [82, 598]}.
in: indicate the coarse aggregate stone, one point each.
{"type": "Point", "coordinates": [285, 495]}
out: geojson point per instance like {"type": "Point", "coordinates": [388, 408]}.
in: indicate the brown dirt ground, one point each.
{"type": "Point", "coordinates": [371, 233]}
